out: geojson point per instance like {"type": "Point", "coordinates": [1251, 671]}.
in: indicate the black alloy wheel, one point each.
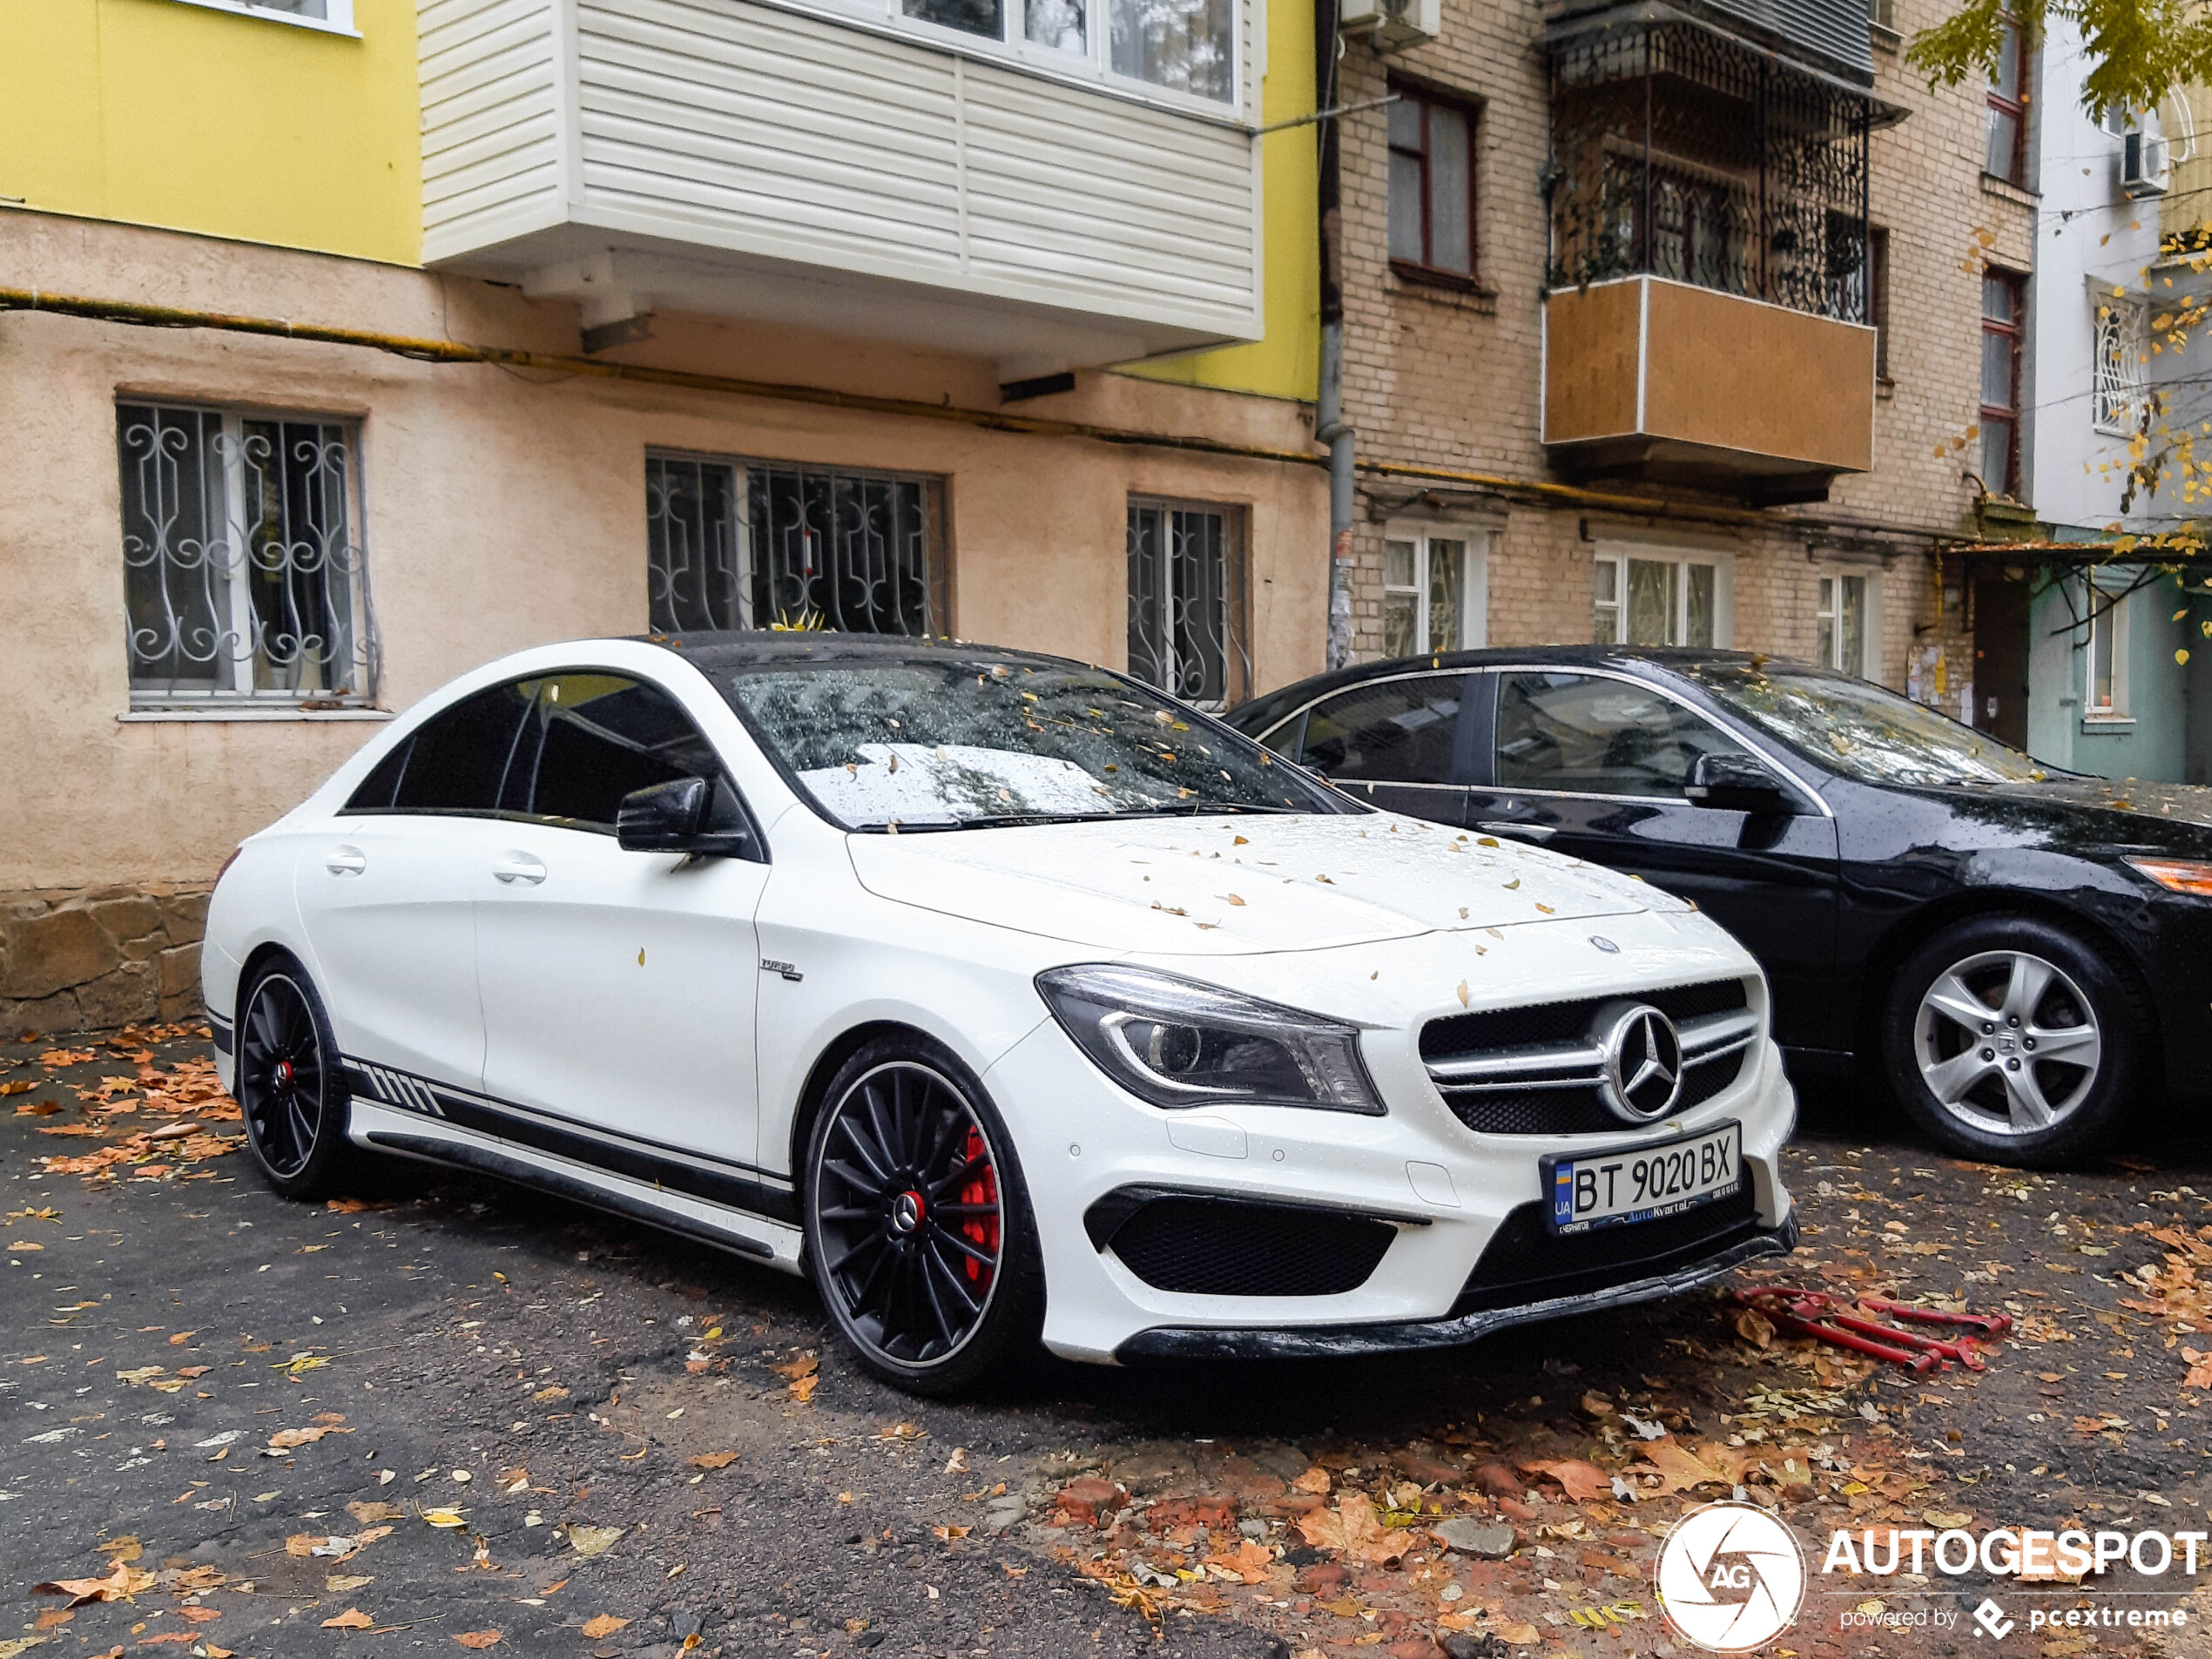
{"type": "Point", "coordinates": [290, 1091]}
{"type": "Point", "coordinates": [917, 1230]}
{"type": "Point", "coordinates": [2009, 1039]}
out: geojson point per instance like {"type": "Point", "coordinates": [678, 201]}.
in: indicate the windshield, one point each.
{"type": "Point", "coordinates": [947, 744]}
{"type": "Point", "coordinates": [1862, 730]}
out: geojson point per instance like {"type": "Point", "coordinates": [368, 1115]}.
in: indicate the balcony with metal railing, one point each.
{"type": "Point", "coordinates": [1708, 316]}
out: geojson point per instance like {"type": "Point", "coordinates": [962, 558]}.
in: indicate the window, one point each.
{"type": "Point", "coordinates": [1399, 731]}
{"type": "Point", "coordinates": [2003, 300]}
{"type": "Point", "coordinates": [2123, 344]}
{"type": "Point", "coordinates": [1185, 600]}
{"type": "Point", "coordinates": [457, 764]}
{"type": "Point", "coordinates": [1651, 599]}
{"type": "Point", "coordinates": [336, 14]}
{"type": "Point", "coordinates": [1433, 597]}
{"type": "Point", "coordinates": [2106, 697]}
{"type": "Point", "coordinates": [243, 574]}
{"type": "Point", "coordinates": [561, 748]}
{"type": "Point", "coordinates": [1186, 46]}
{"type": "Point", "coordinates": [1846, 634]}
{"type": "Point", "coordinates": [759, 543]}
{"type": "Point", "coordinates": [2005, 155]}
{"type": "Point", "coordinates": [1432, 186]}
{"type": "Point", "coordinates": [1588, 735]}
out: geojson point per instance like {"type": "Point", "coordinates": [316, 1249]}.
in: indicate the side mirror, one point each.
{"type": "Point", "coordinates": [666, 818]}
{"type": "Point", "coordinates": [1735, 783]}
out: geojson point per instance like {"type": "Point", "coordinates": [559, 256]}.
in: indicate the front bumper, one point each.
{"type": "Point", "coordinates": [1168, 1342]}
{"type": "Point", "coordinates": [1446, 1190]}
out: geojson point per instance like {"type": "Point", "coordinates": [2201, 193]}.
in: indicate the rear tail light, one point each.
{"type": "Point", "coordinates": [227, 862]}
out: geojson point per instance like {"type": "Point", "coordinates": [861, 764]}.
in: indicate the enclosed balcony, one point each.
{"type": "Point", "coordinates": [1047, 184]}
{"type": "Point", "coordinates": [1708, 316]}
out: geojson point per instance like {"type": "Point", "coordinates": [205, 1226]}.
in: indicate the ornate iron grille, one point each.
{"type": "Point", "coordinates": [1185, 594]}
{"type": "Point", "coordinates": [243, 576]}
{"type": "Point", "coordinates": [757, 544]}
{"type": "Point", "coordinates": [1679, 152]}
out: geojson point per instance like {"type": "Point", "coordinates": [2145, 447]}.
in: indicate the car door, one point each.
{"type": "Point", "coordinates": [1400, 743]}
{"type": "Point", "coordinates": [384, 893]}
{"type": "Point", "coordinates": [1596, 766]}
{"type": "Point", "coordinates": [618, 988]}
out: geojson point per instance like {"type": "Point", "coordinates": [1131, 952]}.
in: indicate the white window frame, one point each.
{"type": "Point", "coordinates": [216, 562]}
{"type": "Point", "coordinates": [2120, 341]}
{"type": "Point", "coordinates": [1094, 63]}
{"type": "Point", "coordinates": [1828, 588]}
{"type": "Point", "coordinates": [1474, 580]}
{"type": "Point", "coordinates": [2108, 621]}
{"type": "Point", "coordinates": [338, 18]}
{"type": "Point", "coordinates": [1616, 556]}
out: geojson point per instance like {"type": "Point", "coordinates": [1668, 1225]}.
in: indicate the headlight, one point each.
{"type": "Point", "coordinates": [2192, 876]}
{"type": "Point", "coordinates": [1177, 1043]}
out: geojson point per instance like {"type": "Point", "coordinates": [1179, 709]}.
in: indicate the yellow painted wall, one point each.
{"type": "Point", "coordinates": [1287, 363]}
{"type": "Point", "coordinates": [160, 112]}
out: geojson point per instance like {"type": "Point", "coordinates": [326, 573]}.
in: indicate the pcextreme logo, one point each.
{"type": "Point", "coordinates": [1730, 1578]}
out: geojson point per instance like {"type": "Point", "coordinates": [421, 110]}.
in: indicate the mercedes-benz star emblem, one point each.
{"type": "Point", "coordinates": [1642, 1076]}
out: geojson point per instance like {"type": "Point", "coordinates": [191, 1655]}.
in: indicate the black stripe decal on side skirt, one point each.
{"type": "Point", "coordinates": [736, 1189]}
{"type": "Point", "coordinates": [487, 1161]}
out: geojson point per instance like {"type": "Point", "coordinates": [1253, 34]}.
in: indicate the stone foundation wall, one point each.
{"type": "Point", "coordinates": [90, 959]}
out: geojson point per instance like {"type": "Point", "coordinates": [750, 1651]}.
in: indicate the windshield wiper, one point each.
{"type": "Point", "coordinates": [1019, 820]}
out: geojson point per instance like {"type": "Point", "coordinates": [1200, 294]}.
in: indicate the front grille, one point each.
{"type": "Point", "coordinates": [1574, 1112]}
{"type": "Point", "coordinates": [1204, 1246]}
{"type": "Point", "coordinates": [1564, 1024]}
{"type": "Point", "coordinates": [1525, 1261]}
{"type": "Point", "coordinates": [1539, 1066]}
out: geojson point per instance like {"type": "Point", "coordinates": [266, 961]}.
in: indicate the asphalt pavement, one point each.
{"type": "Point", "coordinates": [445, 1412]}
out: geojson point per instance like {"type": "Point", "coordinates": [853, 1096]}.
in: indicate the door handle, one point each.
{"type": "Point", "coordinates": [1506, 827]}
{"type": "Point", "coordinates": [346, 860]}
{"type": "Point", "coordinates": [519, 866]}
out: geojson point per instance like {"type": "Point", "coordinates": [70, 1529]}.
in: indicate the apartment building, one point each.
{"type": "Point", "coordinates": [351, 343]}
{"type": "Point", "coordinates": [1666, 323]}
{"type": "Point", "coordinates": [2091, 645]}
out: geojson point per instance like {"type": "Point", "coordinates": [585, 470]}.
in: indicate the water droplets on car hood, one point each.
{"type": "Point", "coordinates": [1235, 883]}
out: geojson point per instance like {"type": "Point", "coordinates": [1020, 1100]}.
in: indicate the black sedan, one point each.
{"type": "Point", "coordinates": [2025, 951]}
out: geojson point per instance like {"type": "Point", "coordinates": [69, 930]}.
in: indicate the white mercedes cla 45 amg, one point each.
{"type": "Point", "coordinates": [1006, 996]}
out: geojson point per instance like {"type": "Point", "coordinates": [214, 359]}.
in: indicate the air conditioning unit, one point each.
{"type": "Point", "coordinates": [2142, 165]}
{"type": "Point", "coordinates": [1393, 25]}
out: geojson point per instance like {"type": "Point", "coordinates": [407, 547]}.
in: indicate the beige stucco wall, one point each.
{"type": "Point", "coordinates": [507, 507]}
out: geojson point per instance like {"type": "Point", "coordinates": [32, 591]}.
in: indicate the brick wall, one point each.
{"type": "Point", "coordinates": [1448, 379]}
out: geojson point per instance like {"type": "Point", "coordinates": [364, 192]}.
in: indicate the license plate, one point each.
{"type": "Point", "coordinates": [1623, 1184]}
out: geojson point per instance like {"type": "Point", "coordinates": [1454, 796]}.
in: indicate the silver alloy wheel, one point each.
{"type": "Point", "coordinates": [2006, 1042]}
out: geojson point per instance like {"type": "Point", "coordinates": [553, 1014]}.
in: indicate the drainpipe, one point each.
{"type": "Point", "coordinates": [1331, 431]}
{"type": "Point", "coordinates": [1330, 427]}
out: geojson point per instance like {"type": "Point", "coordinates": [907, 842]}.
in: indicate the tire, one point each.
{"type": "Point", "coordinates": [919, 1231]}
{"type": "Point", "coordinates": [2010, 1039]}
{"type": "Point", "coordinates": [291, 1090]}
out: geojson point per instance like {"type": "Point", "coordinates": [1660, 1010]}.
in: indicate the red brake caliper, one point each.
{"type": "Point", "coordinates": [984, 1188]}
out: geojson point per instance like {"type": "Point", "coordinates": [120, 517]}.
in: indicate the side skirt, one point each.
{"type": "Point", "coordinates": [415, 1135]}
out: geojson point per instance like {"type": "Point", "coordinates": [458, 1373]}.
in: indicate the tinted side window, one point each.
{"type": "Point", "coordinates": [1595, 736]}
{"type": "Point", "coordinates": [1402, 730]}
{"type": "Point", "coordinates": [455, 763]}
{"type": "Point", "coordinates": [378, 789]}
{"type": "Point", "coordinates": [594, 737]}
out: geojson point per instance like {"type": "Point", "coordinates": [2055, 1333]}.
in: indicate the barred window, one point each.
{"type": "Point", "coordinates": [1185, 600]}
{"type": "Point", "coordinates": [735, 543]}
{"type": "Point", "coordinates": [2123, 343]}
{"type": "Point", "coordinates": [243, 576]}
